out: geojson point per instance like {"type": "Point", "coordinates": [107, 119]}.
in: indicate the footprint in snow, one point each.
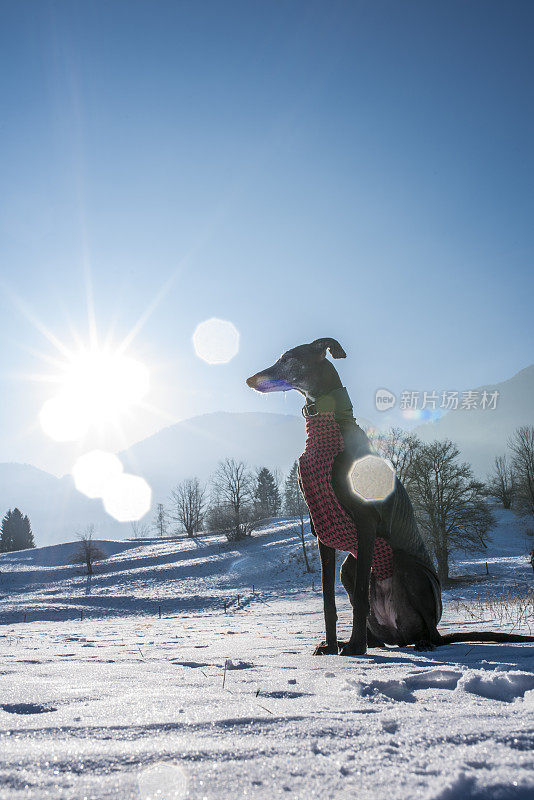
{"type": "Point", "coordinates": [403, 690]}
{"type": "Point", "coordinates": [433, 679]}
{"type": "Point", "coordinates": [395, 690]}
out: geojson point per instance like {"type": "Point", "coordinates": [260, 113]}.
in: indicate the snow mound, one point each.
{"type": "Point", "coordinates": [499, 687]}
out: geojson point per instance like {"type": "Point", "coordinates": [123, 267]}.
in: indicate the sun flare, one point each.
{"type": "Point", "coordinates": [97, 387]}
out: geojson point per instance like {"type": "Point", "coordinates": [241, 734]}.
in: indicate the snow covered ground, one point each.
{"type": "Point", "coordinates": [125, 704]}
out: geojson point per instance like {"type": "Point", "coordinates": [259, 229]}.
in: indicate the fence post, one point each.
{"type": "Point", "coordinates": [159, 610]}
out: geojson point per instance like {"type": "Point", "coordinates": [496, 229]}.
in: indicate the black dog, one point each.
{"type": "Point", "coordinates": [404, 607]}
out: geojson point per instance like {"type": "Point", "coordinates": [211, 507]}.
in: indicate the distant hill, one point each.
{"type": "Point", "coordinates": [483, 434]}
{"type": "Point", "coordinates": [189, 448]}
{"type": "Point", "coordinates": [194, 447]}
{"type": "Point", "coordinates": [55, 508]}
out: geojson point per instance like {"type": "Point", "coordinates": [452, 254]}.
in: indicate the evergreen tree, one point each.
{"type": "Point", "coordinates": [16, 532]}
{"type": "Point", "coordinates": [267, 500]}
{"type": "Point", "coordinates": [6, 538]}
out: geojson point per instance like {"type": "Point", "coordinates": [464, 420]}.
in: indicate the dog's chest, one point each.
{"type": "Point", "coordinates": [333, 526]}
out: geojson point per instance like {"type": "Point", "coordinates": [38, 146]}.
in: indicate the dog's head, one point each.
{"type": "Point", "coordinates": [304, 368]}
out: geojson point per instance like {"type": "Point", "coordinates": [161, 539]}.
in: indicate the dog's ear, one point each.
{"type": "Point", "coordinates": [332, 345]}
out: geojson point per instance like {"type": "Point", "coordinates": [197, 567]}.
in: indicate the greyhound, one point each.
{"type": "Point", "coordinates": [388, 575]}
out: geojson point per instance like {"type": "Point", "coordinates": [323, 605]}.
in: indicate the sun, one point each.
{"type": "Point", "coordinates": [100, 386]}
{"type": "Point", "coordinates": [97, 387]}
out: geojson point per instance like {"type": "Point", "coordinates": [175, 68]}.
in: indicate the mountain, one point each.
{"type": "Point", "coordinates": [57, 511]}
{"type": "Point", "coordinates": [194, 447]}
{"type": "Point", "coordinates": [482, 434]}
{"type": "Point", "coordinates": [189, 448]}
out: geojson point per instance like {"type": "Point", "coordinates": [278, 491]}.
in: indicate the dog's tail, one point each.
{"type": "Point", "coordinates": [482, 636]}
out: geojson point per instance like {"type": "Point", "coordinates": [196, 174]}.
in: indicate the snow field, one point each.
{"type": "Point", "coordinates": [126, 705]}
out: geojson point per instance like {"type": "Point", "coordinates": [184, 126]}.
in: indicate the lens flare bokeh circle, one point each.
{"type": "Point", "coordinates": [93, 472]}
{"type": "Point", "coordinates": [99, 474]}
{"type": "Point", "coordinates": [372, 478]}
{"type": "Point", "coordinates": [216, 341]}
{"type": "Point", "coordinates": [163, 782]}
{"type": "Point", "coordinates": [127, 497]}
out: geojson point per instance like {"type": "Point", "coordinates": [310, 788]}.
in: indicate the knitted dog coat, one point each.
{"type": "Point", "coordinates": [333, 526]}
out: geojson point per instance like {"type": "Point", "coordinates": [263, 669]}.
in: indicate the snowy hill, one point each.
{"type": "Point", "coordinates": [218, 703]}
{"type": "Point", "coordinates": [138, 575]}
{"type": "Point", "coordinates": [480, 433]}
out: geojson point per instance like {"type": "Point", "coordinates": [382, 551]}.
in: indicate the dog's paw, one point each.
{"type": "Point", "coordinates": [349, 649]}
{"type": "Point", "coordinates": [325, 649]}
{"type": "Point", "coordinates": [424, 644]}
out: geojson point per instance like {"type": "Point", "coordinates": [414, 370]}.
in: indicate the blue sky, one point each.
{"type": "Point", "coordinates": [303, 169]}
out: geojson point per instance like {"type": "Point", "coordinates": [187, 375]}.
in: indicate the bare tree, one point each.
{"type": "Point", "coordinates": [160, 521]}
{"type": "Point", "coordinates": [522, 446]}
{"type": "Point", "coordinates": [140, 530]}
{"type": "Point", "coordinates": [188, 501]}
{"type": "Point", "coordinates": [295, 506]}
{"type": "Point", "coordinates": [449, 503]}
{"type": "Point", "coordinates": [501, 481]}
{"type": "Point", "coordinates": [232, 497]}
{"type": "Point", "coordinates": [399, 448]}
{"type": "Point", "coordinates": [88, 551]}
{"type": "Point", "coordinates": [221, 518]}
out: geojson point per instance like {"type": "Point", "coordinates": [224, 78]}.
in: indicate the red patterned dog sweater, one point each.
{"type": "Point", "coordinates": [332, 524]}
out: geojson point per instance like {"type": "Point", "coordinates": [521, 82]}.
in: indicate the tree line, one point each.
{"type": "Point", "coordinates": [512, 479]}
{"type": "Point", "coordinates": [235, 500]}
{"type": "Point", "coordinates": [451, 506]}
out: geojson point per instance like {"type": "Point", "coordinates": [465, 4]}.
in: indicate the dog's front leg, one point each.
{"type": "Point", "coordinates": [357, 644]}
{"type": "Point", "coordinates": [328, 577]}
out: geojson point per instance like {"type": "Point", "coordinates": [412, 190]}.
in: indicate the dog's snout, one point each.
{"type": "Point", "coordinates": [268, 381]}
{"type": "Point", "coordinates": [259, 381]}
